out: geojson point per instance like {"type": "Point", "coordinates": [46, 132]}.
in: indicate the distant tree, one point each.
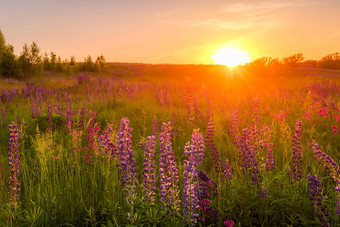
{"type": "Point", "coordinates": [274, 62]}
{"type": "Point", "coordinates": [9, 65]}
{"type": "Point", "coordinates": [59, 65]}
{"type": "Point", "coordinates": [310, 63]}
{"type": "Point", "coordinates": [46, 62]}
{"type": "Point", "coordinates": [331, 61]}
{"type": "Point", "coordinates": [24, 61]}
{"type": "Point", "coordinates": [53, 59]}
{"type": "Point", "coordinates": [2, 44]}
{"type": "Point", "coordinates": [89, 64]}
{"type": "Point", "coordinates": [96, 67]}
{"type": "Point", "coordinates": [72, 60]}
{"type": "Point", "coordinates": [259, 62]}
{"type": "Point", "coordinates": [101, 60]}
{"type": "Point", "coordinates": [293, 60]}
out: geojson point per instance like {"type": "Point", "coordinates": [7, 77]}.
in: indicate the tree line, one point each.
{"type": "Point", "coordinates": [330, 61]}
{"type": "Point", "coordinates": [32, 62]}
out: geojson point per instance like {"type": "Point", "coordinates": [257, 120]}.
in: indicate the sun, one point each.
{"type": "Point", "coordinates": [231, 57]}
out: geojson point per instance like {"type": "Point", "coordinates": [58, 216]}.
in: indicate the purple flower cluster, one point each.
{"type": "Point", "coordinates": [49, 116]}
{"type": "Point", "coordinates": [207, 189]}
{"type": "Point", "coordinates": [227, 170]}
{"type": "Point", "coordinates": [35, 106]}
{"type": "Point", "coordinates": [127, 163]}
{"type": "Point", "coordinates": [248, 162]}
{"type": "Point", "coordinates": [195, 153]}
{"type": "Point", "coordinates": [82, 116]}
{"type": "Point", "coordinates": [332, 167]}
{"type": "Point", "coordinates": [149, 176]}
{"type": "Point", "coordinates": [110, 149]}
{"type": "Point", "coordinates": [155, 127]}
{"type": "Point", "coordinates": [209, 140]}
{"type": "Point", "coordinates": [3, 115]}
{"type": "Point", "coordinates": [234, 121]}
{"type": "Point", "coordinates": [270, 158]}
{"type": "Point", "coordinates": [189, 96]}
{"type": "Point", "coordinates": [169, 190]}
{"type": "Point", "coordinates": [296, 171]}
{"type": "Point", "coordinates": [316, 200]}
{"type": "Point", "coordinates": [14, 163]}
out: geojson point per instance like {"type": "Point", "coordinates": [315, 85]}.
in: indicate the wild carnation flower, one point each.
{"type": "Point", "coordinates": [14, 163]}
{"type": "Point", "coordinates": [127, 163]}
{"type": "Point", "coordinates": [169, 190]}
{"type": "Point", "coordinates": [149, 176]}
{"type": "Point", "coordinates": [335, 128]}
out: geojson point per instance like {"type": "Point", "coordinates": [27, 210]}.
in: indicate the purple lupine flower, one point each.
{"type": "Point", "coordinates": [155, 127]}
{"type": "Point", "coordinates": [197, 112]}
{"type": "Point", "coordinates": [209, 140]}
{"type": "Point", "coordinates": [332, 167]}
{"type": "Point", "coordinates": [82, 116]}
{"type": "Point", "coordinates": [337, 189]}
{"type": "Point", "coordinates": [248, 162]}
{"type": "Point", "coordinates": [149, 176]}
{"type": "Point", "coordinates": [227, 170]}
{"type": "Point", "coordinates": [127, 163]}
{"type": "Point", "coordinates": [174, 124]}
{"type": "Point", "coordinates": [234, 121]}
{"type": "Point", "coordinates": [189, 104]}
{"type": "Point", "coordinates": [244, 151]}
{"type": "Point", "coordinates": [162, 97]}
{"type": "Point", "coordinates": [207, 190]}
{"type": "Point", "coordinates": [14, 163]}
{"type": "Point", "coordinates": [316, 200]}
{"type": "Point", "coordinates": [194, 153]}
{"type": "Point", "coordinates": [110, 149]}
{"type": "Point", "coordinates": [296, 171]}
{"type": "Point", "coordinates": [49, 116]}
{"type": "Point", "coordinates": [3, 117]}
{"type": "Point", "coordinates": [270, 158]}
{"type": "Point", "coordinates": [169, 190]}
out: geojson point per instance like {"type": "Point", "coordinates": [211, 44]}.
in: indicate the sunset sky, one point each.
{"type": "Point", "coordinates": [187, 31]}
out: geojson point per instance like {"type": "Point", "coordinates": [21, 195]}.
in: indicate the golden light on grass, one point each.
{"type": "Point", "coordinates": [231, 57]}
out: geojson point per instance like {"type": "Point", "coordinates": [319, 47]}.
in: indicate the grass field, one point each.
{"type": "Point", "coordinates": [97, 149]}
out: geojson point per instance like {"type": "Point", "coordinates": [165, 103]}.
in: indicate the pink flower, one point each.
{"type": "Point", "coordinates": [307, 115]}
{"type": "Point", "coordinates": [335, 128]}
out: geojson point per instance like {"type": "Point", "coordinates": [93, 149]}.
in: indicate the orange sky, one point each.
{"type": "Point", "coordinates": [188, 31]}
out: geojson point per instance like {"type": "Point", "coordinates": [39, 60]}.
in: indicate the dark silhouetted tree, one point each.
{"type": "Point", "coordinates": [293, 60]}
{"type": "Point", "coordinates": [331, 61]}
{"type": "Point", "coordinates": [8, 64]}
{"type": "Point", "coordinates": [101, 60]}
{"type": "Point", "coordinates": [72, 60]}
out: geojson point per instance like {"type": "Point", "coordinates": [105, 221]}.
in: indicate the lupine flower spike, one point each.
{"type": "Point", "coordinates": [14, 163]}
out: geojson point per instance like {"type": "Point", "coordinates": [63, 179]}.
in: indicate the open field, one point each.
{"type": "Point", "coordinates": [110, 148]}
